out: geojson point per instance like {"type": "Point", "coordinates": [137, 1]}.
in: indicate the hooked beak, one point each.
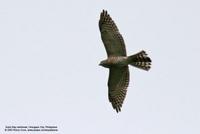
{"type": "Point", "coordinates": [100, 64]}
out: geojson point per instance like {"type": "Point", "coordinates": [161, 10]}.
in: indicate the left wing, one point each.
{"type": "Point", "coordinates": [112, 39]}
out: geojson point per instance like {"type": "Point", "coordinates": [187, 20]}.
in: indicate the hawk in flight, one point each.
{"type": "Point", "coordinates": [118, 61]}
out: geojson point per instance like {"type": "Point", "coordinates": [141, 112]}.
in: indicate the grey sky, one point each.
{"type": "Point", "coordinates": [42, 83]}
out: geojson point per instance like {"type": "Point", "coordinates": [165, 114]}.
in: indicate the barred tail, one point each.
{"type": "Point", "coordinates": [140, 60]}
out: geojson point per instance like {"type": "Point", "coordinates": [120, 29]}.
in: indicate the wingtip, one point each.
{"type": "Point", "coordinates": [104, 12]}
{"type": "Point", "coordinates": [118, 109]}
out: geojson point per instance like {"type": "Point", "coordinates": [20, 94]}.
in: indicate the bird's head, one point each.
{"type": "Point", "coordinates": [104, 63]}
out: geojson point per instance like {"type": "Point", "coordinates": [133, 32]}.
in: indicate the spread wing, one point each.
{"type": "Point", "coordinates": [112, 39]}
{"type": "Point", "coordinates": [117, 84]}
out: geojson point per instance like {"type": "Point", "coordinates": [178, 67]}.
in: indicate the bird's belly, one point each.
{"type": "Point", "coordinates": [118, 61]}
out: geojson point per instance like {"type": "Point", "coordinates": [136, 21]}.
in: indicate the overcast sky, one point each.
{"type": "Point", "coordinates": [49, 73]}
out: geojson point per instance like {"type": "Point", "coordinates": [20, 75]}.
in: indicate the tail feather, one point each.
{"type": "Point", "coordinates": [140, 60]}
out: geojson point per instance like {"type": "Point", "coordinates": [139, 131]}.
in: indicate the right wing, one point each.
{"type": "Point", "coordinates": [117, 84]}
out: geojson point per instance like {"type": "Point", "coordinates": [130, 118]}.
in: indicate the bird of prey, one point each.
{"type": "Point", "coordinates": [117, 61]}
